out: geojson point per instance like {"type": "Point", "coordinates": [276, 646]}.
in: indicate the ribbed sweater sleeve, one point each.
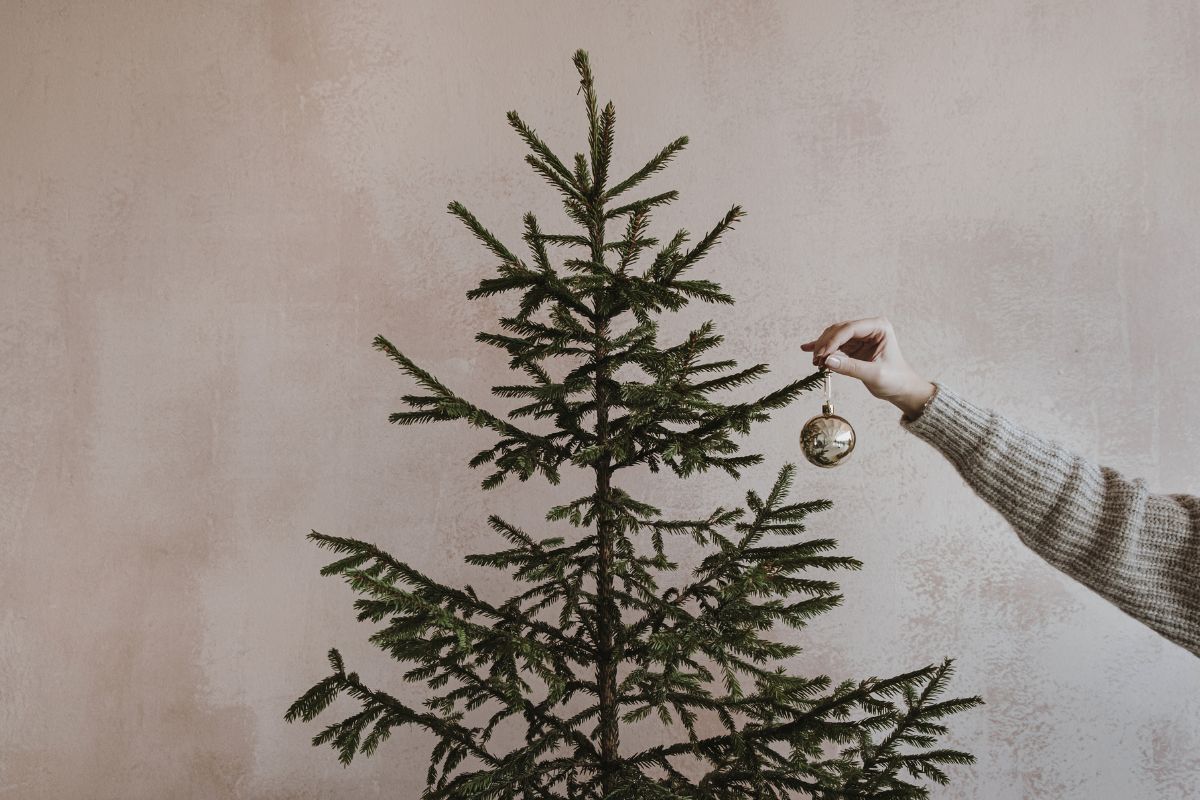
{"type": "Point", "coordinates": [1140, 551]}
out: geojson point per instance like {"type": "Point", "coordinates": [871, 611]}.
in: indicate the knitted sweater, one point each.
{"type": "Point", "coordinates": [1138, 550]}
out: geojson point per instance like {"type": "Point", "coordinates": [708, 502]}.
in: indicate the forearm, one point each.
{"type": "Point", "coordinates": [1140, 551]}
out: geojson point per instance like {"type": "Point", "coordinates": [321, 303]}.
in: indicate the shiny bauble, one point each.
{"type": "Point", "coordinates": [827, 440]}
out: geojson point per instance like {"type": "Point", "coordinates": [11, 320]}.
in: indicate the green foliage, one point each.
{"type": "Point", "coordinates": [595, 639]}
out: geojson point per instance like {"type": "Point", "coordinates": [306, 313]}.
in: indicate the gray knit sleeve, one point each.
{"type": "Point", "coordinates": [1140, 551]}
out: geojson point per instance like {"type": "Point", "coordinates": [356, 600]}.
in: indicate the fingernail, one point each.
{"type": "Point", "coordinates": [833, 362]}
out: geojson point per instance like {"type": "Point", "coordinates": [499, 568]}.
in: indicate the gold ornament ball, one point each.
{"type": "Point", "coordinates": [827, 440]}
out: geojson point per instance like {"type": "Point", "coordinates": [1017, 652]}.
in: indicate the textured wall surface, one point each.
{"type": "Point", "coordinates": [207, 210]}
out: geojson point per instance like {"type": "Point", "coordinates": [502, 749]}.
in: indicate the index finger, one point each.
{"type": "Point", "coordinates": [837, 335]}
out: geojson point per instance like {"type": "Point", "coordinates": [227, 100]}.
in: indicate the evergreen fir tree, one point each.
{"type": "Point", "coordinates": [595, 640]}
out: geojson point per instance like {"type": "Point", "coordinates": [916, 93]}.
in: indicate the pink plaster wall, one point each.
{"type": "Point", "coordinates": [209, 208]}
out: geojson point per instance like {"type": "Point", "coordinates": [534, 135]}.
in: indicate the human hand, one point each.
{"type": "Point", "coordinates": [867, 349]}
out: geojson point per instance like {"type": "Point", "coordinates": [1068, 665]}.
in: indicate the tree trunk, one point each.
{"type": "Point", "coordinates": [608, 615]}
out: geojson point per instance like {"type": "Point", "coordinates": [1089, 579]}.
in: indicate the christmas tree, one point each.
{"type": "Point", "coordinates": [606, 629]}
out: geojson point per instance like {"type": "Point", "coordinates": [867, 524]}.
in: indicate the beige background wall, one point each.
{"type": "Point", "coordinates": [208, 209]}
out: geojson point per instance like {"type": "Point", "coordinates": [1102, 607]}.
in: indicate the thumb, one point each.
{"type": "Point", "coordinates": [842, 364]}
